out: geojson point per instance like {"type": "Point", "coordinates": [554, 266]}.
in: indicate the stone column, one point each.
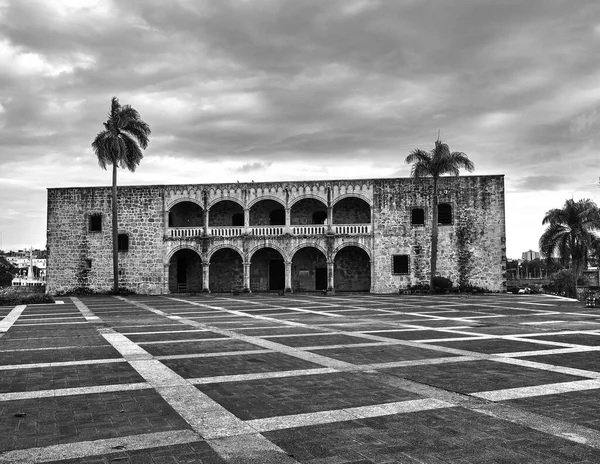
{"type": "Point", "coordinates": [246, 220]}
{"type": "Point", "coordinates": [247, 277]}
{"type": "Point", "coordinates": [205, 277]}
{"type": "Point", "coordinates": [330, 274]}
{"type": "Point", "coordinates": [288, 220]}
{"type": "Point", "coordinates": [205, 216]}
{"type": "Point", "coordinates": [165, 278]}
{"type": "Point", "coordinates": [372, 266]}
{"type": "Point", "coordinates": [330, 220]}
{"type": "Point", "coordinates": [288, 277]}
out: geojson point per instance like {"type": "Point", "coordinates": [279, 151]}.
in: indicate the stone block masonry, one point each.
{"type": "Point", "coordinates": [344, 235]}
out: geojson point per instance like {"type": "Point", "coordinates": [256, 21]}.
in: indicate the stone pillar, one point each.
{"type": "Point", "coordinates": [372, 267]}
{"type": "Point", "coordinates": [165, 278]}
{"type": "Point", "coordinates": [288, 277]}
{"type": "Point", "coordinates": [205, 216]}
{"type": "Point", "coordinates": [330, 274]}
{"type": "Point", "coordinates": [330, 220]}
{"type": "Point", "coordinates": [247, 277]}
{"type": "Point", "coordinates": [205, 277]}
{"type": "Point", "coordinates": [288, 220]}
{"type": "Point", "coordinates": [246, 220]}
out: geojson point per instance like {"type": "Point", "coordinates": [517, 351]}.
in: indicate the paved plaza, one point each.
{"type": "Point", "coordinates": [300, 378]}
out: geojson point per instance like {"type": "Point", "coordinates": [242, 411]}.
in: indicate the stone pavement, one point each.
{"type": "Point", "coordinates": [300, 378]}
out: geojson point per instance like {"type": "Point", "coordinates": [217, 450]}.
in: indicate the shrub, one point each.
{"type": "Point", "coordinates": [13, 297]}
{"type": "Point", "coordinates": [441, 284]}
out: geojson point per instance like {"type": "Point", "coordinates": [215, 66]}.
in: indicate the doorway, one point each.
{"type": "Point", "coordinates": [276, 275]}
{"type": "Point", "coordinates": [321, 278]}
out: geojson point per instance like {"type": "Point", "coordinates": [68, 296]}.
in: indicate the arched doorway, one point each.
{"type": "Point", "coordinates": [309, 270]}
{"type": "Point", "coordinates": [185, 272]}
{"type": "Point", "coordinates": [267, 270]}
{"type": "Point", "coordinates": [352, 270]}
{"type": "Point", "coordinates": [226, 271]}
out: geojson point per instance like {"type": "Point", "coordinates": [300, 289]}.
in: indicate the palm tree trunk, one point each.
{"type": "Point", "coordinates": [115, 231]}
{"type": "Point", "coordinates": [434, 236]}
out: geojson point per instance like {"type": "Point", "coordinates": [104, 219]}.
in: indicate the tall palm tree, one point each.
{"type": "Point", "coordinates": [570, 236]}
{"type": "Point", "coordinates": [436, 163]}
{"type": "Point", "coordinates": [119, 145]}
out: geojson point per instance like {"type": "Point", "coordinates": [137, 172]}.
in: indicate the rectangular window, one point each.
{"type": "Point", "coordinates": [96, 223]}
{"type": "Point", "coordinates": [400, 264]}
{"type": "Point", "coordinates": [444, 214]}
{"type": "Point", "coordinates": [88, 264]}
{"type": "Point", "coordinates": [417, 217]}
{"type": "Point", "coordinates": [123, 242]}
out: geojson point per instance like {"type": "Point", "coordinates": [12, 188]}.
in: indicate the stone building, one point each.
{"type": "Point", "coordinates": [343, 235]}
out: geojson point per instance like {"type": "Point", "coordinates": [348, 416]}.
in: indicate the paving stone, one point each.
{"type": "Point", "coordinates": [284, 396]}
{"type": "Point", "coordinates": [209, 346]}
{"type": "Point", "coordinates": [577, 339]}
{"type": "Point", "coordinates": [476, 376]}
{"type": "Point", "coordinates": [238, 364]}
{"type": "Point", "coordinates": [380, 354]}
{"type": "Point", "coordinates": [53, 377]}
{"type": "Point", "coordinates": [54, 420]}
{"type": "Point", "coordinates": [187, 335]}
{"type": "Point", "coordinates": [495, 345]}
{"type": "Point", "coordinates": [586, 360]}
{"type": "Point", "coordinates": [419, 334]}
{"type": "Point", "coordinates": [318, 340]}
{"type": "Point", "coordinates": [60, 355]}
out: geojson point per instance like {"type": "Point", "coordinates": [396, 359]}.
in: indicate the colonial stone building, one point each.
{"type": "Point", "coordinates": [343, 235]}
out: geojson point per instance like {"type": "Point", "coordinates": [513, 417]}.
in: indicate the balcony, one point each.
{"type": "Point", "coordinates": [262, 231]}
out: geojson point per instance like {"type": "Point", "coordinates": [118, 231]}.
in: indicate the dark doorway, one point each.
{"type": "Point", "coordinates": [185, 272]}
{"type": "Point", "coordinates": [181, 270]}
{"type": "Point", "coordinates": [321, 278]}
{"type": "Point", "coordinates": [276, 275]}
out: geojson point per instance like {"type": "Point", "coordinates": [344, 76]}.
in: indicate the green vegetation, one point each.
{"type": "Point", "coordinates": [571, 238]}
{"type": "Point", "coordinates": [119, 145]}
{"type": "Point", "coordinates": [7, 272]}
{"type": "Point", "coordinates": [436, 163]}
{"type": "Point", "coordinates": [12, 297]}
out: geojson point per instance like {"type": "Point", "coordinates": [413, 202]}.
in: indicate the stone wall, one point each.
{"type": "Point", "coordinates": [352, 270]}
{"type": "Point", "coordinates": [471, 250]}
{"type": "Point", "coordinates": [72, 247]}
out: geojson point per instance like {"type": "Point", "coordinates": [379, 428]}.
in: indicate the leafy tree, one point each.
{"type": "Point", "coordinates": [436, 163]}
{"type": "Point", "coordinates": [7, 272]}
{"type": "Point", "coordinates": [571, 237]}
{"type": "Point", "coordinates": [119, 145]}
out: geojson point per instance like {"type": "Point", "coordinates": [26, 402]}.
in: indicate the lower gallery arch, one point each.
{"type": "Point", "coordinates": [309, 270]}
{"type": "Point", "coordinates": [226, 271]}
{"type": "Point", "coordinates": [352, 270]}
{"type": "Point", "coordinates": [185, 271]}
{"type": "Point", "coordinates": [267, 270]}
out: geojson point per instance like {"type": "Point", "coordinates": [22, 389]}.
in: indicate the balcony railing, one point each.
{"type": "Point", "coordinates": [236, 231]}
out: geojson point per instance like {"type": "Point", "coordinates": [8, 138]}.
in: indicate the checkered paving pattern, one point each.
{"type": "Point", "coordinates": [301, 378]}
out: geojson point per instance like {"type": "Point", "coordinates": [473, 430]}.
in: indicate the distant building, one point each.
{"type": "Point", "coordinates": [336, 235]}
{"type": "Point", "coordinates": [530, 255]}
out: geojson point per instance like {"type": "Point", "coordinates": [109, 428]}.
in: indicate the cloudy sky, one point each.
{"type": "Point", "coordinates": [301, 89]}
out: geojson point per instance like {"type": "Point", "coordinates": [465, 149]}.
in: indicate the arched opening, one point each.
{"type": "Point", "coordinates": [267, 213]}
{"type": "Point", "coordinates": [352, 270]}
{"type": "Point", "coordinates": [226, 271]}
{"type": "Point", "coordinates": [186, 214]}
{"type": "Point", "coordinates": [267, 270]}
{"type": "Point", "coordinates": [308, 211]}
{"type": "Point", "coordinates": [352, 210]}
{"type": "Point", "coordinates": [309, 270]}
{"type": "Point", "coordinates": [185, 272]}
{"type": "Point", "coordinates": [226, 213]}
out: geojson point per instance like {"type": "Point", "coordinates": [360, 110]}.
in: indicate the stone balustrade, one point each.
{"type": "Point", "coordinates": [235, 231]}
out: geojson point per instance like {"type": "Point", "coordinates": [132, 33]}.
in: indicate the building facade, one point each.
{"type": "Point", "coordinates": [341, 235]}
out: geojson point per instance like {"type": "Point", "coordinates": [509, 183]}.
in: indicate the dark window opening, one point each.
{"type": "Point", "coordinates": [417, 217]}
{"type": "Point", "coordinates": [444, 213]}
{"type": "Point", "coordinates": [170, 219]}
{"type": "Point", "coordinates": [237, 219]}
{"type": "Point", "coordinates": [277, 217]}
{"type": "Point", "coordinates": [88, 264]}
{"type": "Point", "coordinates": [319, 217]}
{"type": "Point", "coordinates": [96, 223]}
{"type": "Point", "coordinates": [400, 264]}
{"type": "Point", "coordinates": [123, 242]}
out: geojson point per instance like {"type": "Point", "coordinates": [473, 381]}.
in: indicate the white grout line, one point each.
{"type": "Point", "coordinates": [347, 414]}
{"type": "Point", "coordinates": [11, 318]}
{"type": "Point", "coordinates": [73, 391]}
{"type": "Point", "coordinates": [83, 449]}
{"type": "Point", "coordinates": [538, 390]}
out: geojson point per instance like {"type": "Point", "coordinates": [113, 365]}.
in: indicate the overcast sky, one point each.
{"type": "Point", "coordinates": [301, 89]}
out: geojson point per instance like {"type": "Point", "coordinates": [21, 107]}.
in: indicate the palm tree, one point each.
{"type": "Point", "coordinates": [119, 145]}
{"type": "Point", "coordinates": [436, 163]}
{"type": "Point", "coordinates": [570, 236]}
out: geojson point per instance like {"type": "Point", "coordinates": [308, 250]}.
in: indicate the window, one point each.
{"type": "Point", "coordinates": [417, 217]}
{"type": "Point", "coordinates": [96, 223]}
{"type": "Point", "coordinates": [444, 213]}
{"type": "Point", "coordinates": [88, 264]}
{"type": "Point", "coordinates": [123, 242]}
{"type": "Point", "coordinates": [400, 264]}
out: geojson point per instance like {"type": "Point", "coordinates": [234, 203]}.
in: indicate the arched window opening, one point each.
{"type": "Point", "coordinates": [319, 217]}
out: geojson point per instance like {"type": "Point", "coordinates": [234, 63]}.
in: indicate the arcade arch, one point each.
{"type": "Point", "coordinates": [185, 271]}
